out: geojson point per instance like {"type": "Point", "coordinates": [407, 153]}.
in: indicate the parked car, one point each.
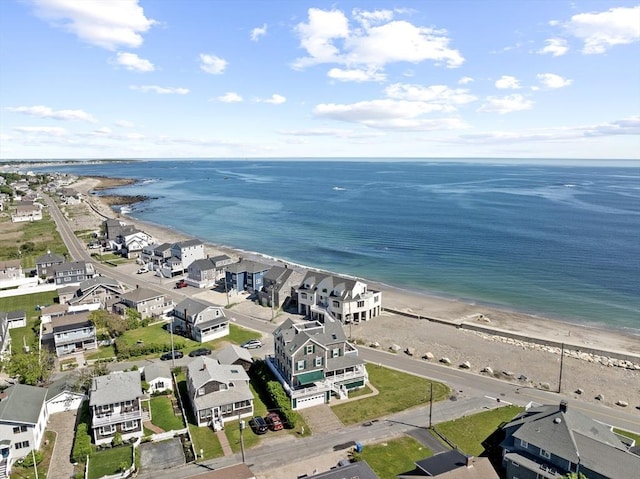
{"type": "Point", "coordinates": [252, 344]}
{"type": "Point", "coordinates": [273, 421]}
{"type": "Point", "coordinates": [200, 352]}
{"type": "Point", "coordinates": [181, 284]}
{"type": "Point", "coordinates": [143, 270]}
{"type": "Point", "coordinates": [258, 425]}
{"type": "Point", "coordinates": [172, 355]}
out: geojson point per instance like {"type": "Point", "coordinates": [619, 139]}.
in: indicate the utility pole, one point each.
{"type": "Point", "coordinates": [173, 359]}
{"type": "Point", "coordinates": [561, 364]}
{"type": "Point", "coordinates": [272, 301]}
{"type": "Point", "coordinates": [226, 287]}
{"type": "Point", "coordinates": [241, 426]}
{"type": "Point", "coordinates": [430, 404]}
{"type": "Point", "coordinates": [33, 456]}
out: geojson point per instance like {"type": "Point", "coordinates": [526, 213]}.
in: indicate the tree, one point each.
{"type": "Point", "coordinates": [112, 323]}
{"type": "Point", "coordinates": [83, 383]}
{"type": "Point", "coordinates": [574, 475]}
{"type": "Point", "coordinates": [32, 368]}
{"type": "Point", "coordinates": [133, 318]}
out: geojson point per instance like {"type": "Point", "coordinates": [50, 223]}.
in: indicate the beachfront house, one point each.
{"type": "Point", "coordinates": [147, 302]}
{"type": "Point", "coordinates": [172, 259]}
{"type": "Point", "coordinates": [115, 406]}
{"type": "Point", "coordinates": [218, 392]}
{"type": "Point", "coordinates": [200, 321]}
{"type": "Point", "coordinates": [551, 441]}
{"type": "Point", "coordinates": [245, 275]}
{"type": "Point", "coordinates": [345, 299]}
{"type": "Point", "coordinates": [132, 243]}
{"type": "Point", "coordinates": [91, 294]}
{"type": "Point", "coordinates": [75, 272]}
{"type": "Point", "coordinates": [23, 419]}
{"type": "Point", "coordinates": [278, 284]}
{"type": "Point", "coordinates": [314, 361]}
{"type": "Point", "coordinates": [73, 333]}
{"type": "Point", "coordinates": [46, 262]}
{"type": "Point", "coordinates": [188, 251]}
{"type": "Point", "coordinates": [205, 273]}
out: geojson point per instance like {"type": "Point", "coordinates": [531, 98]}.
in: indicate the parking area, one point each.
{"type": "Point", "coordinates": [157, 456]}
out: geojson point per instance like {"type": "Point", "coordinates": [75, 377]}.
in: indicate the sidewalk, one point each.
{"type": "Point", "coordinates": [224, 442]}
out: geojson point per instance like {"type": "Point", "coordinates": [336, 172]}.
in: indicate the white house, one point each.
{"type": "Point", "coordinates": [158, 377]}
{"type": "Point", "coordinates": [201, 321]}
{"type": "Point", "coordinates": [62, 396]}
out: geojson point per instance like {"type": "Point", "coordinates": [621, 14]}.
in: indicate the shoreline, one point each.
{"type": "Point", "coordinates": [501, 319]}
{"type": "Point", "coordinates": [510, 345]}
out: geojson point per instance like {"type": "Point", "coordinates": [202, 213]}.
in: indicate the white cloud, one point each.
{"type": "Point", "coordinates": [355, 75]}
{"type": "Point", "coordinates": [42, 111]}
{"type": "Point", "coordinates": [388, 114]}
{"type": "Point", "coordinates": [258, 32]}
{"type": "Point", "coordinates": [465, 80]}
{"type": "Point", "coordinates": [435, 94]}
{"type": "Point", "coordinates": [366, 17]}
{"type": "Point", "coordinates": [555, 46]}
{"type": "Point", "coordinates": [506, 104]}
{"type": "Point", "coordinates": [212, 64]}
{"type": "Point", "coordinates": [125, 124]}
{"type": "Point", "coordinates": [42, 130]}
{"type": "Point", "coordinates": [107, 24]}
{"type": "Point", "coordinates": [159, 89]}
{"type": "Point", "coordinates": [602, 30]}
{"type": "Point", "coordinates": [230, 97]}
{"type": "Point", "coordinates": [370, 46]}
{"type": "Point", "coordinates": [275, 99]}
{"type": "Point", "coordinates": [506, 82]}
{"type": "Point", "coordinates": [551, 80]}
{"type": "Point", "coordinates": [334, 132]}
{"type": "Point", "coordinates": [133, 62]}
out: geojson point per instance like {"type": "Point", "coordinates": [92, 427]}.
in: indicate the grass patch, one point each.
{"type": "Point", "coordinates": [162, 414]}
{"type": "Point", "coordinates": [42, 234]}
{"type": "Point", "coordinates": [390, 458]}
{"type": "Point", "coordinates": [398, 391]}
{"type": "Point", "coordinates": [469, 432]}
{"type": "Point", "coordinates": [103, 352]}
{"type": "Point", "coordinates": [237, 335]}
{"type": "Point", "coordinates": [632, 435]}
{"type": "Point", "coordinates": [110, 461]}
{"type": "Point", "coordinates": [28, 303]}
{"type": "Point", "coordinates": [205, 440]}
{"type": "Point", "coordinates": [232, 428]}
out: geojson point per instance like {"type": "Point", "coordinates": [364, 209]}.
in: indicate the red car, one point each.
{"type": "Point", "coordinates": [273, 421]}
{"type": "Point", "coordinates": [181, 284]}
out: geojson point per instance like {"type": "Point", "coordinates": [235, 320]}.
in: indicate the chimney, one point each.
{"type": "Point", "coordinates": [563, 406]}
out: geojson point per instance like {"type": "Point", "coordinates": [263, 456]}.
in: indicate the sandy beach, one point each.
{"type": "Point", "coordinates": [597, 362]}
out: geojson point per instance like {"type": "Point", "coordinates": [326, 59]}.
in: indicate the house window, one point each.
{"type": "Point", "coordinates": [324, 290]}
{"type": "Point", "coordinates": [226, 409]}
{"type": "Point", "coordinates": [201, 392]}
{"type": "Point", "coordinates": [336, 304]}
{"type": "Point", "coordinates": [20, 445]}
{"type": "Point", "coordinates": [160, 384]}
{"type": "Point", "coordinates": [545, 454]}
{"type": "Point", "coordinates": [303, 295]}
{"type": "Point", "coordinates": [19, 429]}
{"type": "Point", "coordinates": [129, 425]}
{"type": "Point", "coordinates": [319, 361]}
{"type": "Point", "coordinates": [242, 404]}
{"type": "Point", "coordinates": [335, 352]}
{"type": "Point", "coordinates": [360, 304]}
{"type": "Point", "coordinates": [310, 349]}
{"type": "Point", "coordinates": [524, 444]}
{"type": "Point", "coordinates": [104, 408]}
{"type": "Point", "coordinates": [300, 365]}
{"type": "Point", "coordinates": [106, 430]}
{"type": "Point", "coordinates": [128, 403]}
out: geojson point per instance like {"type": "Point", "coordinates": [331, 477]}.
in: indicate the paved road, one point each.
{"type": "Point", "coordinates": [459, 380]}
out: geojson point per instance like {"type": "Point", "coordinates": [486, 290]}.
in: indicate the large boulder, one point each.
{"type": "Point", "coordinates": [410, 351]}
{"type": "Point", "coordinates": [395, 348]}
{"type": "Point", "coordinates": [466, 365]}
{"type": "Point", "coordinates": [428, 356]}
{"type": "Point", "coordinates": [445, 360]}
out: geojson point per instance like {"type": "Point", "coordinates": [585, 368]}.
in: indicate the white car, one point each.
{"type": "Point", "coordinates": [143, 270]}
{"type": "Point", "coordinates": [252, 344]}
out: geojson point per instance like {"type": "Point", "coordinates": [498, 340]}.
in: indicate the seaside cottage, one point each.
{"type": "Point", "coordinates": [10, 271]}
{"type": "Point", "coordinates": [115, 406]}
{"type": "Point", "coordinates": [344, 299]}
{"type": "Point", "coordinates": [74, 272]}
{"type": "Point", "coordinates": [278, 287]}
{"type": "Point", "coordinates": [23, 419]}
{"type": "Point", "coordinates": [147, 302]}
{"type": "Point", "coordinates": [218, 392]}
{"type": "Point", "coordinates": [95, 293]}
{"type": "Point", "coordinates": [73, 333]}
{"type": "Point", "coordinates": [452, 465]}
{"type": "Point", "coordinates": [314, 361]}
{"type": "Point", "coordinates": [205, 273]}
{"type": "Point", "coordinates": [245, 275]}
{"type": "Point", "coordinates": [200, 321]}
{"type": "Point", "coordinates": [158, 376]}
{"type": "Point", "coordinates": [46, 262]}
{"type": "Point", "coordinates": [553, 440]}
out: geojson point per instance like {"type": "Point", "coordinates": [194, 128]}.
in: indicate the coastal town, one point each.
{"type": "Point", "coordinates": [132, 351]}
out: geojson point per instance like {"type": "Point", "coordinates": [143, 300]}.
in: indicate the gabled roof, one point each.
{"type": "Point", "coordinates": [50, 258]}
{"type": "Point", "coordinates": [247, 266]}
{"type": "Point", "coordinates": [332, 283]}
{"type": "Point", "coordinates": [203, 264]}
{"type": "Point", "coordinates": [278, 273]}
{"type": "Point", "coordinates": [232, 353]}
{"type": "Point", "coordinates": [203, 370]}
{"type": "Point", "coordinates": [115, 388]}
{"type": "Point", "coordinates": [22, 404]}
{"type": "Point", "coordinates": [192, 306]}
{"type": "Point", "coordinates": [12, 263]}
{"type": "Point", "coordinates": [141, 294]}
{"type": "Point", "coordinates": [155, 371]}
{"type": "Point", "coordinates": [70, 322]}
{"type": "Point", "coordinates": [188, 243]}
{"type": "Point", "coordinates": [66, 384]}
{"type": "Point", "coordinates": [71, 266]}
{"type": "Point", "coordinates": [295, 335]}
{"type": "Point", "coordinates": [360, 470]}
{"type": "Point", "coordinates": [162, 247]}
{"type": "Point", "coordinates": [13, 315]}
{"type": "Point", "coordinates": [452, 465]}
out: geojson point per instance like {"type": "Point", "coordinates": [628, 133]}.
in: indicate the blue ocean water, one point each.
{"type": "Point", "coordinates": [558, 241]}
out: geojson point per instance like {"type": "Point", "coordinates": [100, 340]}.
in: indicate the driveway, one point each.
{"type": "Point", "coordinates": [63, 423]}
{"type": "Point", "coordinates": [156, 456]}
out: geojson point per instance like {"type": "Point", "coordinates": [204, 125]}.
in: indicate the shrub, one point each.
{"type": "Point", "coordinates": [277, 395]}
{"type": "Point", "coordinates": [81, 444]}
{"type": "Point", "coordinates": [28, 459]}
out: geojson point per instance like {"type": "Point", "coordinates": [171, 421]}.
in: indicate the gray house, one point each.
{"type": "Point", "coordinates": [74, 272]}
{"type": "Point", "coordinates": [553, 440]}
{"type": "Point", "coordinates": [201, 321]}
{"type": "Point", "coordinates": [23, 419]}
{"type": "Point", "coordinates": [99, 292]}
{"type": "Point", "coordinates": [218, 392]}
{"type": "Point", "coordinates": [314, 360]}
{"type": "Point", "coordinates": [235, 356]}
{"type": "Point", "coordinates": [204, 273]}
{"type": "Point", "coordinates": [46, 262]}
{"type": "Point", "coordinates": [73, 333]}
{"type": "Point", "coordinates": [115, 406]}
{"type": "Point", "coordinates": [279, 282]}
{"type": "Point", "coordinates": [452, 465]}
{"type": "Point", "coordinates": [245, 275]}
{"type": "Point", "coordinates": [147, 302]}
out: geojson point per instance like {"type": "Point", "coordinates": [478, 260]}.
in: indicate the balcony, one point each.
{"type": "Point", "coordinates": [115, 418]}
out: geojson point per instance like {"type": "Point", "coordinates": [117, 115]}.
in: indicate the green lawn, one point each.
{"type": "Point", "coordinates": [162, 414]}
{"type": "Point", "coordinates": [44, 236]}
{"type": "Point", "coordinates": [22, 472]}
{"type": "Point", "coordinates": [108, 461]}
{"type": "Point", "coordinates": [390, 458]}
{"type": "Point", "coordinates": [398, 391]}
{"type": "Point", "coordinates": [28, 303]}
{"type": "Point", "coordinates": [469, 432]}
{"type": "Point", "coordinates": [232, 428]}
{"type": "Point", "coordinates": [237, 335]}
{"type": "Point", "coordinates": [632, 435]}
{"type": "Point", "coordinates": [103, 352]}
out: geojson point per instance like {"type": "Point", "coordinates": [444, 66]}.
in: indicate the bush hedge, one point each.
{"type": "Point", "coordinates": [126, 351]}
{"type": "Point", "coordinates": [81, 444]}
{"type": "Point", "coordinates": [277, 397]}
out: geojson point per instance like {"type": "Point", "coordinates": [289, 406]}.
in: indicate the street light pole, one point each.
{"type": "Point", "coordinates": [241, 426]}
{"type": "Point", "coordinates": [430, 404]}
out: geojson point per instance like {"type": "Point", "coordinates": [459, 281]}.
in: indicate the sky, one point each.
{"type": "Point", "coordinates": [291, 79]}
